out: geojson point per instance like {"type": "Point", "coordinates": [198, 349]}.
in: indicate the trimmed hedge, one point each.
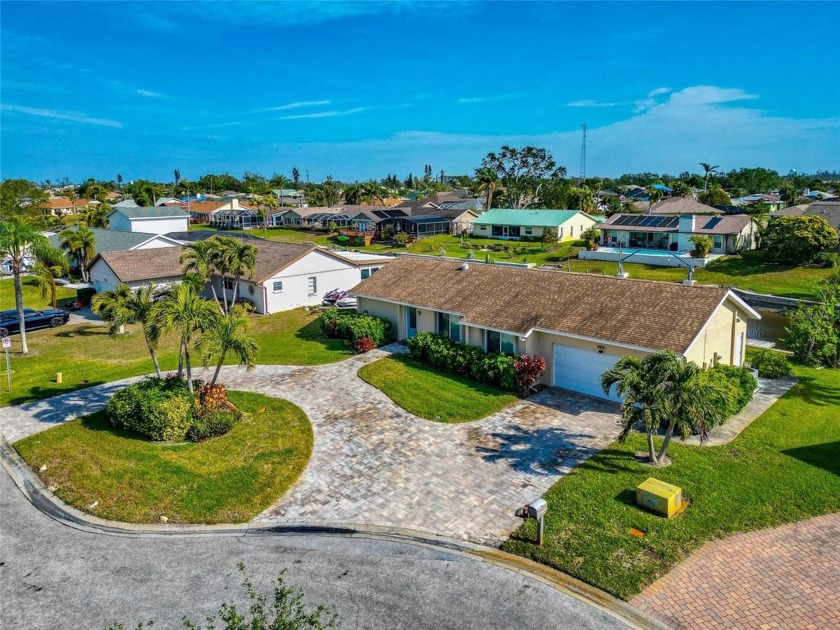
{"type": "Point", "coordinates": [352, 326]}
{"type": "Point", "coordinates": [738, 384]}
{"type": "Point", "coordinates": [493, 368]}
{"type": "Point", "coordinates": [212, 424]}
{"type": "Point", "coordinates": [160, 409]}
{"type": "Point", "coordinates": [771, 364]}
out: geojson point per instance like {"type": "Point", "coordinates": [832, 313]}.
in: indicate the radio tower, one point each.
{"type": "Point", "coordinates": [582, 173]}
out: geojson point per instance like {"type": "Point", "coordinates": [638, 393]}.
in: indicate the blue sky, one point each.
{"type": "Point", "coordinates": [360, 90]}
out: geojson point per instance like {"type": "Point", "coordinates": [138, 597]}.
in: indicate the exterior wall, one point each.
{"type": "Point", "coordinates": [719, 336]}
{"type": "Point", "coordinates": [385, 310]}
{"type": "Point", "coordinates": [486, 231]}
{"type": "Point", "coordinates": [573, 227]}
{"type": "Point", "coordinates": [118, 221]}
{"type": "Point", "coordinates": [157, 226]}
{"type": "Point", "coordinates": [104, 279]}
{"type": "Point", "coordinates": [542, 344]}
{"type": "Point", "coordinates": [156, 243]}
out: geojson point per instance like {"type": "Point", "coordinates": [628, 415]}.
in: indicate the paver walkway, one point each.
{"type": "Point", "coordinates": [374, 463]}
{"type": "Point", "coordinates": [784, 577]}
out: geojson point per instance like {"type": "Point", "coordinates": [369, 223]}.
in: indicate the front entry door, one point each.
{"type": "Point", "coordinates": [411, 322]}
{"type": "Point", "coordinates": [505, 230]}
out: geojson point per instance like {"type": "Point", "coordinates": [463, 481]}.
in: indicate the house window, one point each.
{"type": "Point", "coordinates": [718, 241]}
{"type": "Point", "coordinates": [448, 326]}
{"type": "Point", "coordinates": [528, 231]}
{"type": "Point", "coordinates": [228, 284]}
{"type": "Point", "coordinates": [367, 273]}
{"type": "Point", "coordinates": [312, 284]}
{"type": "Point", "coordinates": [278, 287]}
{"type": "Point", "coordinates": [572, 231]}
{"type": "Point", "coordinates": [500, 342]}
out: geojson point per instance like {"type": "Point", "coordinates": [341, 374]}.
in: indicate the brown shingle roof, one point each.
{"type": "Point", "coordinates": [634, 312]}
{"type": "Point", "coordinates": [273, 256]}
{"type": "Point", "coordinates": [143, 264]}
{"type": "Point", "coordinates": [677, 205]}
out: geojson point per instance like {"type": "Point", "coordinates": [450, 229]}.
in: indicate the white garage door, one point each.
{"type": "Point", "coordinates": [580, 370]}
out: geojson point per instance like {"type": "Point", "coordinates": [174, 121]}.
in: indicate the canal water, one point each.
{"type": "Point", "coordinates": [771, 326]}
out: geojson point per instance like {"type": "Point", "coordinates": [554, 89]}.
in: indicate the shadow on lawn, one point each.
{"type": "Point", "coordinates": [825, 456]}
{"type": "Point", "coordinates": [813, 393]}
{"type": "Point", "coordinates": [83, 330]}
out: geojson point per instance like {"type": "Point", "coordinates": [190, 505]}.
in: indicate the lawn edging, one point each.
{"type": "Point", "coordinates": [48, 503]}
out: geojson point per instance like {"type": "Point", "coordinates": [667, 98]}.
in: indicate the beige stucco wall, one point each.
{"type": "Point", "coordinates": [541, 343]}
{"type": "Point", "coordinates": [573, 227]}
{"type": "Point", "coordinates": [719, 336]}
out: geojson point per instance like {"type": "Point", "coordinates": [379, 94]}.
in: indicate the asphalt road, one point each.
{"type": "Point", "coordinates": [54, 576]}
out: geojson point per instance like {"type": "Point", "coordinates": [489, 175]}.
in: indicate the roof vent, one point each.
{"type": "Point", "coordinates": [464, 266]}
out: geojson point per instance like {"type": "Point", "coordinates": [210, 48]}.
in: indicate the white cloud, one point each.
{"type": "Point", "coordinates": [295, 105]}
{"type": "Point", "coordinates": [327, 114]}
{"type": "Point", "coordinates": [590, 103]}
{"type": "Point", "coordinates": [650, 101]}
{"type": "Point", "coordinates": [488, 99]}
{"type": "Point", "coordinates": [150, 94]}
{"type": "Point", "coordinates": [76, 117]}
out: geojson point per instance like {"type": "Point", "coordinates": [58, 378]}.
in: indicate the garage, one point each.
{"type": "Point", "coordinates": [580, 370]}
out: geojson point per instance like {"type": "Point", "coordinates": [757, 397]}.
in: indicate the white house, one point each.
{"type": "Point", "coordinates": [136, 268]}
{"type": "Point", "coordinates": [160, 220]}
{"type": "Point", "coordinates": [290, 275]}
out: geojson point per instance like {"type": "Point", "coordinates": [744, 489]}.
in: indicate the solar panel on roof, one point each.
{"type": "Point", "coordinates": [712, 223]}
{"type": "Point", "coordinates": [637, 220]}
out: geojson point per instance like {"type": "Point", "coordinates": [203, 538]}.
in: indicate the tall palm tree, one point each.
{"type": "Point", "coordinates": [222, 257]}
{"type": "Point", "coordinates": [123, 306]}
{"type": "Point", "coordinates": [709, 169]}
{"type": "Point", "coordinates": [243, 259]}
{"type": "Point", "coordinates": [488, 181]}
{"type": "Point", "coordinates": [79, 243]}
{"type": "Point", "coordinates": [354, 194]}
{"type": "Point", "coordinates": [198, 259]}
{"type": "Point", "coordinates": [50, 265]}
{"type": "Point", "coordinates": [638, 382]}
{"type": "Point", "coordinates": [654, 195]}
{"type": "Point", "coordinates": [97, 216]}
{"type": "Point", "coordinates": [20, 240]}
{"type": "Point", "coordinates": [186, 312]}
{"type": "Point", "coordinates": [693, 404]}
{"type": "Point", "coordinates": [228, 334]}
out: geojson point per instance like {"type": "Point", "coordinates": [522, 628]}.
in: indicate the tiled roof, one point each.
{"type": "Point", "coordinates": [634, 312]}
{"type": "Point", "coordinates": [162, 212]}
{"type": "Point", "coordinates": [206, 207]}
{"type": "Point", "coordinates": [139, 265]}
{"type": "Point", "coordinates": [537, 218]}
{"type": "Point", "coordinates": [56, 203]}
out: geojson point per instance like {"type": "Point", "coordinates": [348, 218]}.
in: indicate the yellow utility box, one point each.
{"type": "Point", "coordinates": [659, 497]}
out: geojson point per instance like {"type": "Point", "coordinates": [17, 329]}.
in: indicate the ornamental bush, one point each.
{"type": "Point", "coordinates": [738, 382]}
{"type": "Point", "coordinates": [160, 409]}
{"type": "Point", "coordinates": [493, 368]}
{"type": "Point", "coordinates": [351, 326]}
{"type": "Point", "coordinates": [702, 246]}
{"type": "Point", "coordinates": [363, 344]}
{"type": "Point", "coordinates": [797, 240]}
{"type": "Point", "coordinates": [770, 364]}
{"type": "Point", "coordinates": [212, 424]}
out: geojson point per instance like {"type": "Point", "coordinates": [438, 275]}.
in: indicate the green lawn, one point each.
{"type": "Point", "coordinates": [784, 467]}
{"type": "Point", "coordinates": [86, 355]}
{"type": "Point", "coordinates": [431, 394]}
{"type": "Point", "coordinates": [31, 294]}
{"type": "Point", "coordinates": [229, 479]}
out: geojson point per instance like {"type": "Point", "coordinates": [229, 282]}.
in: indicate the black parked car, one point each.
{"type": "Point", "coordinates": [34, 319]}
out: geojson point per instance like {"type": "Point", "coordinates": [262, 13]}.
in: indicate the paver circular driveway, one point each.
{"type": "Point", "coordinates": [374, 463]}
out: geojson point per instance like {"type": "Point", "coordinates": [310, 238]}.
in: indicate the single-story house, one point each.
{"type": "Point", "coordinates": [120, 241]}
{"type": "Point", "coordinates": [301, 217]}
{"type": "Point", "coordinates": [290, 196]}
{"type": "Point", "coordinates": [828, 210]}
{"type": "Point", "coordinates": [580, 324]}
{"type": "Point", "coordinates": [290, 275]}
{"type": "Point", "coordinates": [729, 233]}
{"type": "Point", "coordinates": [61, 206]}
{"type": "Point", "coordinates": [774, 202]}
{"type": "Point", "coordinates": [524, 224]}
{"type": "Point", "coordinates": [792, 211]}
{"type": "Point", "coordinates": [136, 268]}
{"type": "Point", "coordinates": [676, 205]}
{"type": "Point", "coordinates": [157, 220]}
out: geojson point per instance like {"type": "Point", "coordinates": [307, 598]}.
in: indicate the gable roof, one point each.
{"type": "Point", "coordinates": [140, 265]}
{"type": "Point", "coordinates": [679, 205]}
{"type": "Point", "coordinates": [828, 210]}
{"type": "Point", "coordinates": [639, 313]}
{"type": "Point", "coordinates": [727, 224]}
{"type": "Point", "coordinates": [115, 240]}
{"type": "Point", "coordinates": [161, 212]}
{"type": "Point", "coordinates": [533, 217]}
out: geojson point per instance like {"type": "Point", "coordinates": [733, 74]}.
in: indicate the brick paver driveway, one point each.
{"type": "Point", "coordinates": [784, 577]}
{"type": "Point", "coordinates": [374, 463]}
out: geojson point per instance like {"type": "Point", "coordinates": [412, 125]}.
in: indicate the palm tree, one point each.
{"type": "Point", "coordinates": [198, 260]}
{"type": "Point", "coordinates": [709, 170]}
{"type": "Point", "coordinates": [186, 312]}
{"type": "Point", "coordinates": [228, 334]}
{"type": "Point", "coordinates": [654, 194]}
{"type": "Point", "coordinates": [50, 265]}
{"type": "Point", "coordinates": [20, 240]}
{"type": "Point", "coordinates": [694, 404]}
{"type": "Point", "coordinates": [123, 306]}
{"type": "Point", "coordinates": [243, 258]}
{"type": "Point", "coordinates": [222, 257]}
{"type": "Point", "coordinates": [354, 194]}
{"type": "Point", "coordinates": [79, 243]}
{"type": "Point", "coordinates": [757, 212]}
{"type": "Point", "coordinates": [682, 189]}
{"type": "Point", "coordinates": [638, 382]}
{"type": "Point", "coordinates": [97, 216]}
{"type": "Point", "coordinates": [488, 181]}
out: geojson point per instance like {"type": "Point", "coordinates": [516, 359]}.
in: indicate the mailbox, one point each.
{"type": "Point", "coordinates": [537, 509]}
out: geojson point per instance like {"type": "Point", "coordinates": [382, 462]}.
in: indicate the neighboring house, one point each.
{"type": "Point", "coordinates": [136, 268]}
{"type": "Point", "coordinates": [305, 217]}
{"type": "Point", "coordinates": [676, 205]}
{"type": "Point", "coordinates": [792, 211]}
{"type": "Point", "coordinates": [729, 233]}
{"type": "Point", "coordinates": [208, 211]}
{"type": "Point", "coordinates": [290, 196]}
{"type": "Point", "coordinates": [525, 224]}
{"type": "Point", "coordinates": [240, 219]}
{"type": "Point", "coordinates": [290, 275]}
{"type": "Point", "coordinates": [170, 201]}
{"type": "Point", "coordinates": [774, 202]}
{"type": "Point", "coordinates": [828, 210]}
{"type": "Point", "coordinates": [120, 241]}
{"type": "Point", "coordinates": [580, 324]}
{"type": "Point", "coordinates": [62, 206]}
{"type": "Point", "coordinates": [149, 220]}
{"type": "Point", "coordinates": [125, 203]}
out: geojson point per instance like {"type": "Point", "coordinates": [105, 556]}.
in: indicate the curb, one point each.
{"type": "Point", "coordinates": [40, 497]}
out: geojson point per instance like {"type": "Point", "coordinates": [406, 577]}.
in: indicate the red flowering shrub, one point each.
{"type": "Point", "coordinates": [528, 371]}
{"type": "Point", "coordinates": [364, 344]}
